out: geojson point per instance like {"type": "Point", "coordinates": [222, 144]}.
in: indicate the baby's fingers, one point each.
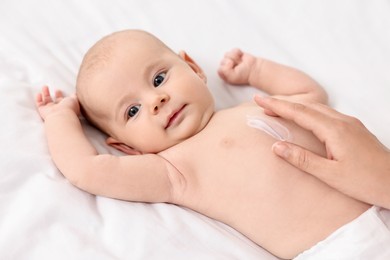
{"type": "Point", "coordinates": [41, 98]}
{"type": "Point", "coordinates": [225, 68]}
{"type": "Point", "coordinates": [45, 95]}
{"type": "Point", "coordinates": [58, 94]}
{"type": "Point", "coordinates": [235, 55]}
{"type": "Point", "coordinates": [38, 100]}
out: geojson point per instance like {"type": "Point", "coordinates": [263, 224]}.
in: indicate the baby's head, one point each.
{"type": "Point", "coordinates": [144, 96]}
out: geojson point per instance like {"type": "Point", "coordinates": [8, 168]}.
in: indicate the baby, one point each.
{"type": "Point", "coordinates": [155, 106]}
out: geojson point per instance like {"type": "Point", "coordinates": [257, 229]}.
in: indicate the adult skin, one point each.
{"type": "Point", "coordinates": [357, 164]}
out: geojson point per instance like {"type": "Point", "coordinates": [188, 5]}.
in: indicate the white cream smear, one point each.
{"type": "Point", "coordinates": [269, 126]}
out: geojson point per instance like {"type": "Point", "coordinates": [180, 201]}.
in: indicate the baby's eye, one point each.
{"type": "Point", "coordinates": [132, 111]}
{"type": "Point", "coordinates": [159, 79]}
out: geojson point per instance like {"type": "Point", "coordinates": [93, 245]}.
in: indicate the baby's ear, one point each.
{"type": "Point", "coordinates": [121, 146]}
{"type": "Point", "coordinates": [195, 67]}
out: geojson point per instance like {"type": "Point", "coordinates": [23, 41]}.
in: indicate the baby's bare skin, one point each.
{"type": "Point", "coordinates": [155, 106]}
{"type": "Point", "coordinates": [243, 184]}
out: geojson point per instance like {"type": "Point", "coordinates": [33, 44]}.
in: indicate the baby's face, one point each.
{"type": "Point", "coordinates": [152, 98]}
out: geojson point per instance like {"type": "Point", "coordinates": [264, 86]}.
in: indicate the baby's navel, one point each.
{"type": "Point", "coordinates": [270, 127]}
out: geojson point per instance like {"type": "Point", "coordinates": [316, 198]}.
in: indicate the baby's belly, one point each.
{"type": "Point", "coordinates": [243, 184]}
{"type": "Point", "coordinates": [278, 207]}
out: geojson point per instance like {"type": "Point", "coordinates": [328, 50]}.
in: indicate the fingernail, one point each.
{"type": "Point", "coordinates": [281, 149]}
{"type": "Point", "coordinates": [257, 96]}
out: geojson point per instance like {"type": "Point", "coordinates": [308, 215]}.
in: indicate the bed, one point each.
{"type": "Point", "coordinates": [344, 45]}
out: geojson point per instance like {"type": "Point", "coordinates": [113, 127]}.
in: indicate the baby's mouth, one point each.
{"type": "Point", "coordinates": [172, 118]}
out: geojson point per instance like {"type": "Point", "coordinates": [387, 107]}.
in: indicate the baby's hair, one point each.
{"type": "Point", "coordinates": [96, 59]}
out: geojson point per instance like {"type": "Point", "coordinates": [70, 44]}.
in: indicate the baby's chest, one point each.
{"type": "Point", "coordinates": [228, 167]}
{"type": "Point", "coordinates": [234, 151]}
{"type": "Point", "coordinates": [238, 134]}
{"type": "Point", "coordinates": [241, 153]}
{"type": "Point", "coordinates": [228, 150]}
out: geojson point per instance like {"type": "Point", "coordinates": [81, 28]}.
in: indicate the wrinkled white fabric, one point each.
{"type": "Point", "coordinates": [342, 44]}
{"type": "Point", "coordinates": [366, 237]}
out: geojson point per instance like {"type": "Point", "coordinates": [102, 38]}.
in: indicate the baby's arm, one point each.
{"type": "Point", "coordinates": [240, 68]}
{"type": "Point", "coordinates": [135, 178]}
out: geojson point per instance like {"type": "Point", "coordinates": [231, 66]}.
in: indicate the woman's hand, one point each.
{"type": "Point", "coordinates": [357, 164]}
{"type": "Point", "coordinates": [48, 106]}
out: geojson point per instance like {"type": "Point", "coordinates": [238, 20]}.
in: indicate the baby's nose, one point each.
{"type": "Point", "coordinates": [159, 103]}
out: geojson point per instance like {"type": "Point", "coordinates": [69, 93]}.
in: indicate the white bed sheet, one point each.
{"type": "Point", "coordinates": [342, 44]}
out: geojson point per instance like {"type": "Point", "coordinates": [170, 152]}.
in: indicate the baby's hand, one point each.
{"type": "Point", "coordinates": [47, 105]}
{"type": "Point", "coordinates": [236, 67]}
